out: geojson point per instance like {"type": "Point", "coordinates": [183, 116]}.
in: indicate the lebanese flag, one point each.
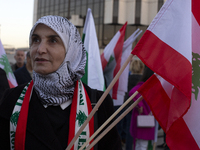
{"type": "Point", "coordinates": [123, 79]}
{"type": "Point", "coordinates": [166, 48]}
{"type": "Point", "coordinates": [80, 109]}
{"type": "Point", "coordinates": [191, 118]}
{"type": "Point", "coordinates": [5, 65]}
{"type": "Point", "coordinates": [93, 76]}
{"type": "Point", "coordinates": [111, 61]}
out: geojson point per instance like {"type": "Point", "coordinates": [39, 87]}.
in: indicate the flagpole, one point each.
{"type": "Point", "coordinates": [109, 119]}
{"type": "Point", "coordinates": [114, 123]}
{"type": "Point", "coordinates": [100, 101]}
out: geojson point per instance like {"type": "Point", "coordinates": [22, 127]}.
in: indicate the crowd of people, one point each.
{"type": "Point", "coordinates": [37, 113]}
{"type": "Point", "coordinates": [132, 136]}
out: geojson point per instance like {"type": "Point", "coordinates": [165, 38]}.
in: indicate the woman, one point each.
{"type": "Point", "coordinates": [136, 70]}
{"type": "Point", "coordinates": [56, 92]}
{"type": "Point", "coordinates": [141, 135]}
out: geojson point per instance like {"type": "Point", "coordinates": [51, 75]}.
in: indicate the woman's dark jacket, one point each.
{"type": "Point", "coordinates": [47, 128]}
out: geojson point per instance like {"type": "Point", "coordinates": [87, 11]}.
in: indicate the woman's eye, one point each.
{"type": "Point", "coordinates": [53, 40]}
{"type": "Point", "coordinates": [35, 40]}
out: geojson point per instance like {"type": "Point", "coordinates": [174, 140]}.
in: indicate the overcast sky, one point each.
{"type": "Point", "coordinates": [16, 20]}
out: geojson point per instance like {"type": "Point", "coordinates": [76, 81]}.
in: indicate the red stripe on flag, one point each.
{"type": "Point", "coordinates": [103, 61]}
{"type": "Point", "coordinates": [73, 116]}
{"type": "Point", "coordinates": [118, 55]}
{"type": "Point", "coordinates": [10, 84]}
{"type": "Point", "coordinates": [165, 61]}
{"type": "Point", "coordinates": [157, 100]}
{"type": "Point", "coordinates": [20, 134]}
{"type": "Point", "coordinates": [165, 110]}
{"type": "Point", "coordinates": [179, 137]}
{"type": "Point", "coordinates": [196, 10]}
{"type": "Point", "coordinates": [91, 122]}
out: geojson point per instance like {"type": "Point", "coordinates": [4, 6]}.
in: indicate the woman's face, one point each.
{"type": "Point", "coordinates": [47, 50]}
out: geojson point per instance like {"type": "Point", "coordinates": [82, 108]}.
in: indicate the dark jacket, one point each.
{"type": "Point", "coordinates": [3, 82]}
{"type": "Point", "coordinates": [133, 79]}
{"type": "Point", "coordinates": [14, 67]}
{"type": "Point", "coordinates": [22, 75]}
{"type": "Point", "coordinates": [47, 128]}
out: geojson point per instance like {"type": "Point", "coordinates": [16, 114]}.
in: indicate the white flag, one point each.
{"type": "Point", "coordinates": [93, 71]}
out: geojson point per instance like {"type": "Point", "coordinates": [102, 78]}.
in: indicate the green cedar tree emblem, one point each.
{"type": "Point", "coordinates": [110, 60]}
{"type": "Point", "coordinates": [14, 118]}
{"type": "Point", "coordinates": [4, 61]}
{"type": "Point", "coordinates": [195, 74]}
{"type": "Point", "coordinates": [81, 117]}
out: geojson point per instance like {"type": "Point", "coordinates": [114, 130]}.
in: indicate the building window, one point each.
{"type": "Point", "coordinates": [96, 12]}
{"type": "Point", "coordinates": [137, 11]}
{"type": "Point", "coordinates": [90, 1]}
{"type": "Point", "coordinates": [66, 14]}
{"type": "Point", "coordinates": [43, 3]}
{"type": "Point", "coordinates": [78, 7]}
{"type": "Point", "coordinates": [160, 3]}
{"type": "Point", "coordinates": [115, 11]}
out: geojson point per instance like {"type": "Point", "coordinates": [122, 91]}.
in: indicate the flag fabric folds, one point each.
{"type": "Point", "coordinates": [111, 61]}
{"type": "Point", "coordinates": [5, 65]}
{"type": "Point", "coordinates": [191, 118]}
{"type": "Point", "coordinates": [123, 79]}
{"type": "Point", "coordinates": [166, 48]}
{"type": "Point", "coordinates": [113, 57]}
{"type": "Point", "coordinates": [93, 76]}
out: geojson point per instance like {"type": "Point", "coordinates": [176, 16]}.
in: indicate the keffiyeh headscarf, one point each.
{"type": "Point", "coordinates": [58, 87]}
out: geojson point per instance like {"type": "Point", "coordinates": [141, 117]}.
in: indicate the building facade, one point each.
{"type": "Point", "coordinates": [109, 15]}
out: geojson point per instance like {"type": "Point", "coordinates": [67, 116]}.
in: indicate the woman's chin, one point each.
{"type": "Point", "coordinates": [42, 71]}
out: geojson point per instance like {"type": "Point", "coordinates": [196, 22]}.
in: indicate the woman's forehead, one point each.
{"type": "Point", "coordinates": [43, 29]}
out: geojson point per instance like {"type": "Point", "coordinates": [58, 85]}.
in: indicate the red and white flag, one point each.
{"type": "Point", "coordinates": [5, 65]}
{"type": "Point", "coordinates": [111, 65]}
{"type": "Point", "coordinates": [166, 48]}
{"type": "Point", "coordinates": [111, 59]}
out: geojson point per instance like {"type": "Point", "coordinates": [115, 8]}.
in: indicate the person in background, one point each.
{"type": "Point", "coordinates": [51, 99]}
{"type": "Point", "coordinates": [20, 58]}
{"type": "Point", "coordinates": [24, 74]}
{"type": "Point", "coordinates": [141, 135]}
{"type": "Point", "coordinates": [164, 145]}
{"type": "Point", "coordinates": [3, 82]}
{"type": "Point", "coordinates": [136, 70]}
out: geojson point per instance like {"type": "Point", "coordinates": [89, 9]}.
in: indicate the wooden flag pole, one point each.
{"type": "Point", "coordinates": [114, 123]}
{"type": "Point", "coordinates": [99, 102]}
{"type": "Point", "coordinates": [108, 120]}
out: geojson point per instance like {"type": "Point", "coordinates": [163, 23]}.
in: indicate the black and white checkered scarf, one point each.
{"type": "Point", "coordinates": [58, 87]}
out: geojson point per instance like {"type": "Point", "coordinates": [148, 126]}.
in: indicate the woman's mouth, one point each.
{"type": "Point", "coordinates": [40, 60]}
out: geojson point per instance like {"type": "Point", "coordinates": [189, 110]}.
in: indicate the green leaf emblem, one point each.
{"type": "Point", "coordinates": [14, 118]}
{"type": "Point", "coordinates": [110, 60]}
{"type": "Point", "coordinates": [4, 61]}
{"type": "Point", "coordinates": [195, 74]}
{"type": "Point", "coordinates": [81, 117]}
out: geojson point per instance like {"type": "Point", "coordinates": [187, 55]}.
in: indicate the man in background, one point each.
{"type": "Point", "coordinates": [19, 57]}
{"type": "Point", "coordinates": [24, 74]}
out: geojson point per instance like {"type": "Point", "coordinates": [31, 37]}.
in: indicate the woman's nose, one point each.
{"type": "Point", "coordinates": [42, 47]}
